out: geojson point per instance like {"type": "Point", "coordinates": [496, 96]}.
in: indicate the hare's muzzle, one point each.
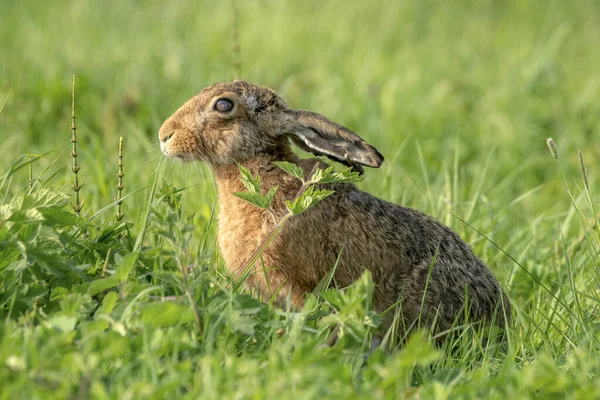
{"type": "Point", "coordinates": [178, 142]}
{"type": "Point", "coordinates": [165, 133]}
{"type": "Point", "coordinates": [164, 138]}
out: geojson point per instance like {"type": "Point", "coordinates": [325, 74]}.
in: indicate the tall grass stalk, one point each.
{"type": "Point", "coordinates": [119, 215]}
{"type": "Point", "coordinates": [76, 186]}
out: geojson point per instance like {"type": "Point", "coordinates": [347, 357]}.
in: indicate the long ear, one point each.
{"type": "Point", "coordinates": [314, 133]}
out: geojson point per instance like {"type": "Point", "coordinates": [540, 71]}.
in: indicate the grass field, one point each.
{"type": "Point", "coordinates": [458, 96]}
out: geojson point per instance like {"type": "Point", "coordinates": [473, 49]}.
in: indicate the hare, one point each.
{"type": "Point", "coordinates": [415, 261]}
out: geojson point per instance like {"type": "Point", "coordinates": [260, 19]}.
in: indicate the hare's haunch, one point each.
{"type": "Point", "coordinates": [415, 261]}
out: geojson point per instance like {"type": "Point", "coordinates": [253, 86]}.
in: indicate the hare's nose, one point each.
{"type": "Point", "coordinates": [167, 136]}
{"type": "Point", "coordinates": [165, 133]}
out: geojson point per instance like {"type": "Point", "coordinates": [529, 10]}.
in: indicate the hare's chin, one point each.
{"type": "Point", "coordinates": [181, 156]}
{"type": "Point", "coordinates": [184, 157]}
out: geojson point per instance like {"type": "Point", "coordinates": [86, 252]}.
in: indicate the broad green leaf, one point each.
{"type": "Point", "coordinates": [251, 183]}
{"type": "Point", "coordinates": [76, 304]}
{"type": "Point", "coordinates": [97, 326]}
{"type": "Point", "coordinates": [108, 304]}
{"type": "Point", "coordinates": [59, 216]}
{"type": "Point", "coordinates": [63, 322]}
{"type": "Point", "coordinates": [125, 264]}
{"type": "Point", "coordinates": [257, 199]}
{"type": "Point", "coordinates": [27, 216]}
{"type": "Point", "coordinates": [166, 313]}
{"type": "Point", "coordinates": [41, 198]}
{"type": "Point", "coordinates": [418, 351]}
{"type": "Point", "coordinates": [308, 199]}
{"type": "Point", "coordinates": [102, 284]}
{"type": "Point", "coordinates": [242, 323]}
{"type": "Point", "coordinates": [290, 168]}
{"type": "Point", "coordinates": [330, 175]}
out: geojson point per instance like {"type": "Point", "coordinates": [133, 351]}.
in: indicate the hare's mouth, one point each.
{"type": "Point", "coordinates": [163, 149]}
{"type": "Point", "coordinates": [179, 145]}
{"type": "Point", "coordinates": [179, 155]}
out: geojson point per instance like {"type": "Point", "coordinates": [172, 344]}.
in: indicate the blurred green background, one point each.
{"type": "Point", "coordinates": [488, 77]}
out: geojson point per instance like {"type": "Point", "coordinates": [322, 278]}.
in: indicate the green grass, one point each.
{"type": "Point", "coordinates": [458, 96]}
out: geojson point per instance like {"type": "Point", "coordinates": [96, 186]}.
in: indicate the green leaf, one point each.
{"type": "Point", "coordinates": [98, 326]}
{"type": "Point", "coordinates": [100, 285]}
{"type": "Point", "coordinates": [290, 168]}
{"type": "Point", "coordinates": [253, 195]}
{"type": "Point", "coordinates": [257, 199]}
{"type": "Point", "coordinates": [108, 304]}
{"type": "Point", "coordinates": [125, 264]}
{"type": "Point", "coordinates": [59, 216]}
{"type": "Point", "coordinates": [28, 216]}
{"type": "Point", "coordinates": [242, 323]}
{"type": "Point", "coordinates": [63, 322]}
{"type": "Point", "coordinates": [308, 199]}
{"type": "Point", "coordinates": [251, 183]}
{"type": "Point", "coordinates": [166, 313]}
{"type": "Point", "coordinates": [42, 198]}
{"type": "Point", "coordinates": [330, 175]}
{"type": "Point", "coordinates": [418, 351]}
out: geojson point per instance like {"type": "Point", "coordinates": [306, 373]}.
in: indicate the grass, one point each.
{"type": "Point", "coordinates": [459, 97]}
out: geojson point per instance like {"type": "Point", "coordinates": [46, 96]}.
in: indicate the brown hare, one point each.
{"type": "Point", "coordinates": [415, 261]}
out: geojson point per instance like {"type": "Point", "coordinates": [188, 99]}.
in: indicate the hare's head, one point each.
{"type": "Point", "coordinates": [228, 123]}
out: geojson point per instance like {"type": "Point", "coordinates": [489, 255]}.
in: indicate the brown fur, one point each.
{"type": "Point", "coordinates": [398, 245]}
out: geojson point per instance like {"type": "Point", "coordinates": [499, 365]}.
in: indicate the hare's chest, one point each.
{"type": "Point", "coordinates": [239, 235]}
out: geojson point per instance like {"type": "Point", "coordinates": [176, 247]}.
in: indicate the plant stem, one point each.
{"type": "Point", "coordinates": [30, 167]}
{"type": "Point", "coordinates": [75, 168]}
{"type": "Point", "coordinates": [188, 293]}
{"type": "Point", "coordinates": [119, 216]}
{"type": "Point", "coordinates": [267, 241]}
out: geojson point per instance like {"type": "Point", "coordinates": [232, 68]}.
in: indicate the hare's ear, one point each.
{"type": "Point", "coordinates": [314, 133]}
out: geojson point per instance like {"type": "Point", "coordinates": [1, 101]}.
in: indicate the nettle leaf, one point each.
{"type": "Point", "coordinates": [251, 183]}
{"type": "Point", "coordinates": [330, 175]}
{"type": "Point", "coordinates": [27, 216]}
{"type": "Point", "coordinates": [257, 199]}
{"type": "Point", "coordinates": [59, 216]}
{"type": "Point", "coordinates": [41, 198]}
{"type": "Point", "coordinates": [242, 323]}
{"type": "Point", "coordinates": [290, 168]}
{"type": "Point", "coordinates": [308, 199]}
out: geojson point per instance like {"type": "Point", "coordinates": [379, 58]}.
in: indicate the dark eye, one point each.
{"type": "Point", "coordinates": [223, 105]}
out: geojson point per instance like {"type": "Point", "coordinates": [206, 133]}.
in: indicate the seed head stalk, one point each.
{"type": "Point", "coordinates": [119, 216]}
{"type": "Point", "coordinates": [75, 167]}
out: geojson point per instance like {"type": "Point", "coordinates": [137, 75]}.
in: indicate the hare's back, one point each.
{"type": "Point", "coordinates": [409, 254]}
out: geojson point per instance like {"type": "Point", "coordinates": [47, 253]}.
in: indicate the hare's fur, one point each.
{"type": "Point", "coordinates": [407, 252]}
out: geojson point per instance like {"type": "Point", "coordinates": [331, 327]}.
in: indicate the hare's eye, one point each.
{"type": "Point", "coordinates": [223, 105]}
